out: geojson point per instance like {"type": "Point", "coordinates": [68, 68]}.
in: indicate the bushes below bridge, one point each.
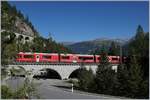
{"type": "Point", "coordinates": [126, 82]}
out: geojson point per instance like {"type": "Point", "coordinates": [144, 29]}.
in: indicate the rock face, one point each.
{"type": "Point", "coordinates": [23, 28]}
{"type": "Point", "coordinates": [15, 21]}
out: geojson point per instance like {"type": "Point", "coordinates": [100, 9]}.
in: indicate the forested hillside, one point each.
{"type": "Point", "coordinates": [13, 21]}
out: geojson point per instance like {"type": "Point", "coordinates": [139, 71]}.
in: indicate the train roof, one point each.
{"type": "Point", "coordinates": [36, 53]}
{"type": "Point", "coordinates": [53, 53]}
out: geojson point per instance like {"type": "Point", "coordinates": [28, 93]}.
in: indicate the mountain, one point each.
{"type": "Point", "coordinates": [67, 43]}
{"type": "Point", "coordinates": [86, 47]}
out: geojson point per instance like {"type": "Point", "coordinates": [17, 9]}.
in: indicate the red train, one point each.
{"type": "Point", "coordinates": [64, 58]}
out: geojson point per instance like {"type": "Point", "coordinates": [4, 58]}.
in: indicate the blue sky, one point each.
{"type": "Point", "coordinates": [80, 21]}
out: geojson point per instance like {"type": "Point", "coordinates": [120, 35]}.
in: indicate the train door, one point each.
{"type": "Point", "coordinates": [74, 59]}
{"type": "Point", "coordinates": [37, 58]}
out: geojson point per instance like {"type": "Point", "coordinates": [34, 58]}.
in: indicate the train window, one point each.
{"type": "Point", "coordinates": [99, 58]}
{"type": "Point", "coordinates": [86, 58]}
{"type": "Point", "coordinates": [65, 57]}
{"type": "Point", "coordinates": [28, 56]}
{"type": "Point", "coordinates": [114, 58]}
{"type": "Point", "coordinates": [47, 57]}
{"type": "Point", "coordinates": [19, 56]}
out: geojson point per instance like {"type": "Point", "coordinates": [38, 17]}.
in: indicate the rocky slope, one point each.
{"type": "Point", "coordinates": [13, 20]}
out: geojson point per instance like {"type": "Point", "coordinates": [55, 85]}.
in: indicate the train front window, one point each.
{"type": "Point", "coordinates": [28, 56]}
{"type": "Point", "coordinates": [65, 57]}
{"type": "Point", "coordinates": [47, 57]}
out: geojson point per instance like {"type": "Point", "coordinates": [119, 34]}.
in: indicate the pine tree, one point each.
{"type": "Point", "coordinates": [137, 43]}
{"type": "Point", "coordinates": [145, 58]}
{"type": "Point", "coordinates": [135, 78]}
{"type": "Point", "coordinates": [100, 74]}
{"type": "Point", "coordinates": [122, 77]}
{"type": "Point", "coordinates": [86, 79]}
{"type": "Point", "coordinates": [114, 49]}
{"type": "Point", "coordinates": [91, 81]}
{"type": "Point", "coordinates": [139, 32]}
{"type": "Point", "coordinates": [83, 78]}
{"type": "Point", "coordinates": [50, 37]}
{"type": "Point", "coordinates": [104, 75]}
{"type": "Point", "coordinates": [139, 47]}
{"type": "Point", "coordinates": [26, 47]}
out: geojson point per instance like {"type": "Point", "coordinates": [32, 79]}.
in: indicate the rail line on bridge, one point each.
{"type": "Point", "coordinates": [57, 63]}
{"type": "Point", "coordinates": [47, 63]}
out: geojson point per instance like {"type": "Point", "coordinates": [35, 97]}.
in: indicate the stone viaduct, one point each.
{"type": "Point", "coordinates": [64, 70]}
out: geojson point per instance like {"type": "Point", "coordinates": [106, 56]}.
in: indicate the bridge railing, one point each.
{"type": "Point", "coordinates": [13, 62]}
{"type": "Point", "coordinates": [48, 63]}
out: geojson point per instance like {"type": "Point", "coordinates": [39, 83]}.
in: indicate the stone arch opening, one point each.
{"type": "Point", "coordinates": [47, 73]}
{"type": "Point", "coordinates": [17, 71]}
{"type": "Point", "coordinates": [26, 38]}
{"type": "Point", "coordinates": [20, 37]}
{"type": "Point", "coordinates": [75, 73]}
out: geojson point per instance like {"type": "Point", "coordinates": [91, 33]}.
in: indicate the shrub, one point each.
{"type": "Point", "coordinates": [6, 92]}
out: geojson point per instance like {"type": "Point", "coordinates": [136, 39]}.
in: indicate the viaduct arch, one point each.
{"type": "Point", "coordinates": [48, 72]}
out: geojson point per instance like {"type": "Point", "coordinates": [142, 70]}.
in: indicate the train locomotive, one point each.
{"type": "Point", "coordinates": [63, 58]}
